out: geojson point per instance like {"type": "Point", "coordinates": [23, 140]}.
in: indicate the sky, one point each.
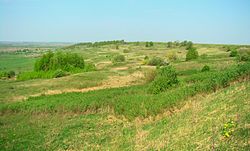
{"type": "Point", "coordinates": [201, 21]}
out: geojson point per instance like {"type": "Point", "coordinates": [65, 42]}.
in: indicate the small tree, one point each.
{"type": "Point", "coordinates": [233, 53]}
{"type": "Point", "coordinates": [119, 58]}
{"type": "Point", "coordinates": [117, 47]}
{"type": "Point", "coordinates": [151, 44]}
{"type": "Point", "coordinates": [11, 74]}
{"type": "Point", "coordinates": [169, 44]}
{"type": "Point", "coordinates": [205, 68]}
{"type": "Point", "coordinates": [156, 61]}
{"type": "Point", "coordinates": [192, 54]}
{"type": "Point", "coordinates": [189, 45]}
{"type": "Point", "coordinates": [171, 56]}
{"type": "Point", "coordinates": [165, 78]}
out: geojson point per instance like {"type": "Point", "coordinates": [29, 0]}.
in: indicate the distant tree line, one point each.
{"type": "Point", "coordinates": [96, 44]}
{"type": "Point", "coordinates": [187, 44]}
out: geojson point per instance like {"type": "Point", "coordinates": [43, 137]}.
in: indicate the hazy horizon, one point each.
{"type": "Point", "coordinates": [208, 21]}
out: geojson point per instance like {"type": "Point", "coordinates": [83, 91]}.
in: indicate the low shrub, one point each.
{"type": "Point", "coordinates": [243, 55]}
{"type": "Point", "coordinates": [171, 56]}
{"type": "Point", "coordinates": [119, 58]}
{"type": "Point", "coordinates": [192, 54]}
{"type": "Point", "coordinates": [233, 53]}
{"type": "Point", "coordinates": [9, 74]}
{"type": "Point", "coordinates": [126, 51]}
{"type": "Point", "coordinates": [149, 44]}
{"type": "Point", "coordinates": [205, 68]}
{"type": "Point", "coordinates": [166, 77]}
{"type": "Point", "coordinates": [156, 61]}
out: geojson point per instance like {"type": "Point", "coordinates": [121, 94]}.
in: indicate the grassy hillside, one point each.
{"type": "Point", "coordinates": [113, 108]}
{"type": "Point", "coordinates": [195, 125]}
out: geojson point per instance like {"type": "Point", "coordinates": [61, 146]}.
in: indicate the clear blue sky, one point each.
{"type": "Point", "coordinates": [205, 21]}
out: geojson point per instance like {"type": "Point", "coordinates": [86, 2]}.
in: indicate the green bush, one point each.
{"type": "Point", "coordinates": [119, 58]}
{"type": "Point", "coordinates": [59, 60]}
{"type": "Point", "coordinates": [165, 78]}
{"type": "Point", "coordinates": [156, 61]}
{"type": "Point", "coordinates": [243, 55]}
{"type": "Point", "coordinates": [192, 54]}
{"type": "Point", "coordinates": [9, 74]}
{"type": "Point", "coordinates": [189, 45]}
{"type": "Point", "coordinates": [126, 51]}
{"type": "Point", "coordinates": [171, 56]}
{"type": "Point", "coordinates": [233, 53]}
{"type": "Point", "coordinates": [205, 68]}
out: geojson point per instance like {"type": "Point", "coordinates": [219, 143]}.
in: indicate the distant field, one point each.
{"type": "Point", "coordinates": [16, 63]}
{"type": "Point", "coordinates": [111, 108]}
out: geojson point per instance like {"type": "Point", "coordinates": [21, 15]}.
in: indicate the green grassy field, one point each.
{"type": "Point", "coordinates": [112, 109]}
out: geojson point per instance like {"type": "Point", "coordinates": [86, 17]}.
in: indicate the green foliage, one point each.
{"type": "Point", "coordinates": [156, 61]}
{"type": "Point", "coordinates": [36, 75]}
{"type": "Point", "coordinates": [233, 53]}
{"type": "Point", "coordinates": [165, 78]}
{"type": "Point", "coordinates": [146, 58]}
{"type": "Point", "coordinates": [192, 54]}
{"type": "Point", "coordinates": [126, 51]}
{"type": "Point", "coordinates": [9, 74]}
{"type": "Point", "coordinates": [187, 44]}
{"type": "Point", "coordinates": [119, 58]}
{"type": "Point", "coordinates": [102, 43]}
{"type": "Point", "coordinates": [89, 67]}
{"type": "Point", "coordinates": [59, 73]}
{"type": "Point", "coordinates": [243, 55]}
{"type": "Point", "coordinates": [59, 60]}
{"type": "Point", "coordinates": [228, 128]}
{"type": "Point", "coordinates": [133, 101]}
{"type": "Point", "coordinates": [117, 47]}
{"type": "Point", "coordinates": [149, 44]}
{"type": "Point", "coordinates": [171, 56]}
{"type": "Point", "coordinates": [205, 68]}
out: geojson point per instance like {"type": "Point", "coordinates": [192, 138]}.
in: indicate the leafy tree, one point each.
{"type": "Point", "coordinates": [156, 61]}
{"type": "Point", "coordinates": [166, 77]}
{"type": "Point", "coordinates": [233, 53]}
{"type": "Point", "coordinates": [119, 58]}
{"type": "Point", "coordinates": [151, 44]}
{"type": "Point", "coordinates": [189, 45]}
{"type": "Point", "coordinates": [192, 54]}
{"type": "Point", "coordinates": [171, 56]}
{"type": "Point", "coordinates": [205, 68]}
{"type": "Point", "coordinates": [59, 60]}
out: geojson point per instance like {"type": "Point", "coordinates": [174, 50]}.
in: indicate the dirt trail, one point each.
{"type": "Point", "coordinates": [111, 82]}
